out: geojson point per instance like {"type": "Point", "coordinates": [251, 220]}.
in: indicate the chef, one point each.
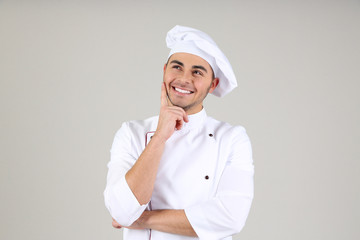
{"type": "Point", "coordinates": [183, 174]}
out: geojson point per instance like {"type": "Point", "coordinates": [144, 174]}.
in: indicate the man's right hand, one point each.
{"type": "Point", "coordinates": [171, 118]}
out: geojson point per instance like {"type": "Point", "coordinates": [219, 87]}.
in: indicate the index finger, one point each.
{"type": "Point", "coordinates": [164, 101]}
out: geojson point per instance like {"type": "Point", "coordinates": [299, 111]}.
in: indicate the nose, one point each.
{"type": "Point", "coordinates": [186, 77]}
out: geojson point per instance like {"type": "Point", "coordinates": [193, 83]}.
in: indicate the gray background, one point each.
{"type": "Point", "coordinates": [72, 71]}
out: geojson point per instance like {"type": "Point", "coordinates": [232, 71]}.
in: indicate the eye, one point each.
{"type": "Point", "coordinates": [196, 72]}
{"type": "Point", "coordinates": [176, 67]}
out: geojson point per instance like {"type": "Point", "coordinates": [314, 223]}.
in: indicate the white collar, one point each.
{"type": "Point", "coordinates": [195, 120]}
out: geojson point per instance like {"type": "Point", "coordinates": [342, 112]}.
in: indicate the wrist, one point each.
{"type": "Point", "coordinates": [144, 219]}
{"type": "Point", "coordinates": [158, 138]}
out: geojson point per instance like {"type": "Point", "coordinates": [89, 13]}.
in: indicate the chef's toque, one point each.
{"type": "Point", "coordinates": [193, 41]}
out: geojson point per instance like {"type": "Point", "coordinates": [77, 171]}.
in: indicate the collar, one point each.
{"type": "Point", "coordinates": [195, 120]}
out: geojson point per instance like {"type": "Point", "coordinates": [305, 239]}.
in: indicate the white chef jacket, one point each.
{"type": "Point", "coordinates": [206, 169]}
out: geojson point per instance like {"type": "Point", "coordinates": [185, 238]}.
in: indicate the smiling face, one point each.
{"type": "Point", "coordinates": [188, 79]}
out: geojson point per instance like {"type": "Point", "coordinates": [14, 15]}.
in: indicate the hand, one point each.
{"type": "Point", "coordinates": [171, 118]}
{"type": "Point", "coordinates": [115, 224]}
{"type": "Point", "coordinates": [136, 225]}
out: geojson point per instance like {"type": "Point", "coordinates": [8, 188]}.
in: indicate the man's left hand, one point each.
{"type": "Point", "coordinates": [115, 224]}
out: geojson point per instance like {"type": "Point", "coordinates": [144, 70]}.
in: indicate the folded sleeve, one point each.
{"type": "Point", "coordinates": [119, 199]}
{"type": "Point", "coordinates": [225, 214]}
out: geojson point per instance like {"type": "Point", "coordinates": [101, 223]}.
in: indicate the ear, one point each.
{"type": "Point", "coordinates": [165, 67]}
{"type": "Point", "coordinates": [214, 84]}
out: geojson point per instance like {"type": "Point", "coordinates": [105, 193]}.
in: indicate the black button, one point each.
{"type": "Point", "coordinates": [210, 135]}
{"type": "Point", "coordinates": [207, 177]}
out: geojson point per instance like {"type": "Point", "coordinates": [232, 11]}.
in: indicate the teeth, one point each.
{"type": "Point", "coordinates": [182, 91]}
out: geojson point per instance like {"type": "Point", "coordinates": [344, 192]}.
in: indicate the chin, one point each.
{"type": "Point", "coordinates": [183, 106]}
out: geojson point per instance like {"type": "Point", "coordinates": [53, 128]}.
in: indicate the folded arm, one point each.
{"type": "Point", "coordinates": [169, 221]}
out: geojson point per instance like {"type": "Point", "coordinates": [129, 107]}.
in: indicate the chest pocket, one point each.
{"type": "Point", "coordinates": [187, 171]}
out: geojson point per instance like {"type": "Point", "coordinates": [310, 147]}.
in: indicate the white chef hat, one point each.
{"type": "Point", "coordinates": [190, 40]}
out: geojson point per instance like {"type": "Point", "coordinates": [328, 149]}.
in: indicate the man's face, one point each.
{"type": "Point", "coordinates": [188, 79]}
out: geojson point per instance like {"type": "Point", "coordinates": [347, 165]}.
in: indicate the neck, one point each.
{"type": "Point", "coordinates": [194, 110]}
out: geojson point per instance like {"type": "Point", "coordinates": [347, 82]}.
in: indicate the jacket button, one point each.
{"type": "Point", "coordinates": [207, 177]}
{"type": "Point", "coordinates": [210, 135]}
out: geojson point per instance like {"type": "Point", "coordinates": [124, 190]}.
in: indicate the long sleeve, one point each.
{"type": "Point", "coordinates": [225, 214]}
{"type": "Point", "coordinates": [119, 199]}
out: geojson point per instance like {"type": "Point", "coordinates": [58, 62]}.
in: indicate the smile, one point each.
{"type": "Point", "coordinates": [182, 90]}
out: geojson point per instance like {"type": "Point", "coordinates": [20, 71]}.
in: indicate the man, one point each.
{"type": "Point", "coordinates": [182, 174]}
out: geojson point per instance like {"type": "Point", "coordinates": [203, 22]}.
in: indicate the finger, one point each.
{"type": "Point", "coordinates": [179, 121]}
{"type": "Point", "coordinates": [115, 224]}
{"type": "Point", "coordinates": [181, 111]}
{"type": "Point", "coordinates": [179, 124]}
{"type": "Point", "coordinates": [186, 118]}
{"type": "Point", "coordinates": [177, 112]}
{"type": "Point", "coordinates": [164, 101]}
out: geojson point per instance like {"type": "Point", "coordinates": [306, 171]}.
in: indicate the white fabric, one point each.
{"type": "Point", "coordinates": [216, 207]}
{"type": "Point", "coordinates": [190, 40]}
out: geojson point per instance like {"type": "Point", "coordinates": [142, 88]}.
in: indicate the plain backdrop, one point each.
{"type": "Point", "coordinates": [72, 71]}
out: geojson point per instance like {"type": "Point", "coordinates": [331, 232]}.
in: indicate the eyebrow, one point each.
{"type": "Point", "coordinates": [193, 67]}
